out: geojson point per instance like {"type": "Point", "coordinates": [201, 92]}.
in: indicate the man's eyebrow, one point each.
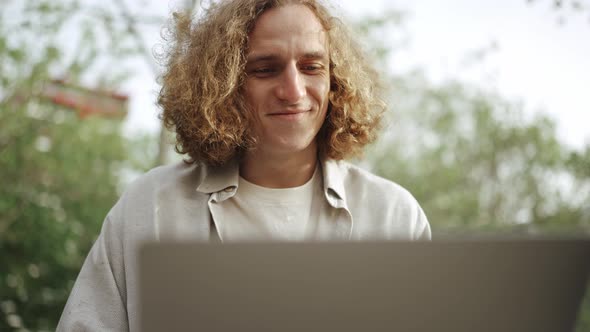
{"type": "Point", "coordinates": [315, 55]}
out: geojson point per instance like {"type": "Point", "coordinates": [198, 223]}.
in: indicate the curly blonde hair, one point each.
{"type": "Point", "coordinates": [202, 88]}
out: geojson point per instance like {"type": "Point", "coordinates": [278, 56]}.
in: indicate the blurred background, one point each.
{"type": "Point", "coordinates": [489, 123]}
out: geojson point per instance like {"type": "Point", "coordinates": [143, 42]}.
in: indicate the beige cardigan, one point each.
{"type": "Point", "coordinates": [175, 202]}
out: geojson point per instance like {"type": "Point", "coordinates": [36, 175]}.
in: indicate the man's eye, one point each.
{"type": "Point", "coordinates": [311, 68]}
{"type": "Point", "coordinates": [264, 71]}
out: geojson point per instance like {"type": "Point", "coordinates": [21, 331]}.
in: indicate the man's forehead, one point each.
{"type": "Point", "coordinates": [273, 49]}
{"type": "Point", "coordinates": [288, 27]}
{"type": "Point", "coordinates": [298, 16]}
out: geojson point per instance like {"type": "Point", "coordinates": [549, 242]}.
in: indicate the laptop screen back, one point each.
{"type": "Point", "coordinates": [510, 285]}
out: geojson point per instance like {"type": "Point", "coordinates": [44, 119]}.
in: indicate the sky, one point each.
{"type": "Point", "coordinates": [532, 59]}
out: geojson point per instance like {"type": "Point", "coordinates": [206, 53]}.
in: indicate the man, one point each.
{"type": "Point", "coordinates": [266, 97]}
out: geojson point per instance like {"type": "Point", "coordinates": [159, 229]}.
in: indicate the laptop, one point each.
{"type": "Point", "coordinates": [449, 285]}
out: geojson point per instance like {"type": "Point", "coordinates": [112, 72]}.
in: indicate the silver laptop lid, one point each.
{"type": "Point", "coordinates": [488, 285]}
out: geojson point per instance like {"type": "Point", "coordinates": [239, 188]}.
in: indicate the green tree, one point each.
{"type": "Point", "coordinates": [59, 180]}
{"type": "Point", "coordinates": [475, 161]}
{"type": "Point", "coordinates": [60, 174]}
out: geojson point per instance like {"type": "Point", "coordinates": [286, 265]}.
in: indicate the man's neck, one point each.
{"type": "Point", "coordinates": [279, 171]}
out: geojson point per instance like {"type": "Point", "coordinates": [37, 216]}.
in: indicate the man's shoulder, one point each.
{"type": "Point", "coordinates": [378, 202]}
{"type": "Point", "coordinates": [361, 179]}
{"type": "Point", "coordinates": [178, 176]}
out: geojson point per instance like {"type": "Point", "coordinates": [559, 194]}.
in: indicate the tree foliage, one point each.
{"type": "Point", "coordinates": [60, 174]}
{"type": "Point", "coordinates": [475, 160]}
{"type": "Point", "coordinates": [59, 180]}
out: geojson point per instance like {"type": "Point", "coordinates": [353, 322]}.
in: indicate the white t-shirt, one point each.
{"type": "Point", "coordinates": [260, 213]}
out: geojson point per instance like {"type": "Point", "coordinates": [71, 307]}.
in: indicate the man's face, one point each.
{"type": "Point", "coordinates": [288, 79]}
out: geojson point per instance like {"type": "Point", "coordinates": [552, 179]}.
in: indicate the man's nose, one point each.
{"type": "Point", "coordinates": [291, 87]}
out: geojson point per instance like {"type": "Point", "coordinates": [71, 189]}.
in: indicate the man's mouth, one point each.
{"type": "Point", "coordinates": [288, 113]}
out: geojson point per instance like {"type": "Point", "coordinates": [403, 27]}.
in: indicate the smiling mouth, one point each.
{"type": "Point", "coordinates": [288, 113]}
